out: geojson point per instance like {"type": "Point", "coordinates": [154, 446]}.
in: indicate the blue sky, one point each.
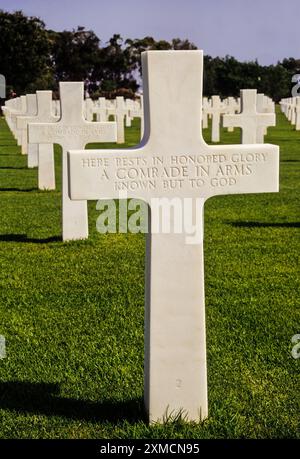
{"type": "Point", "coordinates": [246, 29]}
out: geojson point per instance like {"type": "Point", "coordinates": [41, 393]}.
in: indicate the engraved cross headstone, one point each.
{"type": "Point", "coordinates": [178, 163]}
{"type": "Point", "coordinates": [72, 131]}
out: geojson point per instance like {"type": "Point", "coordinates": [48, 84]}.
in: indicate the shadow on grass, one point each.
{"type": "Point", "coordinates": [44, 399]}
{"type": "Point", "coordinates": [12, 167]}
{"type": "Point", "coordinates": [290, 161]}
{"type": "Point", "coordinates": [7, 142]}
{"type": "Point", "coordinates": [24, 238]}
{"type": "Point", "coordinates": [19, 190]}
{"type": "Point", "coordinates": [265, 225]}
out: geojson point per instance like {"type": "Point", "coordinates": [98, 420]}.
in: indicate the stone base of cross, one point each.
{"type": "Point", "coordinates": [173, 161]}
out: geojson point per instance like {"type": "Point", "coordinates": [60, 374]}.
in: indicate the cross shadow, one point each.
{"type": "Point", "coordinates": [24, 238]}
{"type": "Point", "coordinates": [265, 225]}
{"type": "Point", "coordinates": [12, 167]}
{"type": "Point", "coordinates": [43, 399]}
{"type": "Point", "coordinates": [290, 161]}
{"type": "Point", "coordinates": [19, 190]}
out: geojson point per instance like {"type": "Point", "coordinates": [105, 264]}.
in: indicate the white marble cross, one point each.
{"type": "Point", "coordinates": [261, 108]}
{"type": "Point", "coordinates": [14, 114]}
{"type": "Point", "coordinates": [216, 109]}
{"type": "Point", "coordinates": [173, 161]}
{"type": "Point", "coordinates": [251, 122]}
{"type": "Point", "coordinates": [43, 114]}
{"type": "Point", "coordinates": [206, 106]}
{"type": "Point", "coordinates": [101, 110]}
{"type": "Point", "coordinates": [45, 161]}
{"type": "Point", "coordinates": [129, 104]}
{"type": "Point", "coordinates": [31, 104]}
{"type": "Point", "coordinates": [289, 108]}
{"type": "Point", "coordinates": [89, 109]}
{"type": "Point", "coordinates": [293, 111]}
{"type": "Point", "coordinates": [11, 106]}
{"type": "Point", "coordinates": [72, 131]}
{"type": "Point", "coordinates": [121, 111]}
{"type": "Point", "coordinates": [297, 110]}
{"type": "Point", "coordinates": [136, 110]}
{"type": "Point", "coordinates": [231, 108]}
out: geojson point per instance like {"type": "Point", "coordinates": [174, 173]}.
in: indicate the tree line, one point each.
{"type": "Point", "coordinates": [33, 57]}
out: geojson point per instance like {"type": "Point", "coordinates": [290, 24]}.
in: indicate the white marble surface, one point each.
{"type": "Point", "coordinates": [175, 347]}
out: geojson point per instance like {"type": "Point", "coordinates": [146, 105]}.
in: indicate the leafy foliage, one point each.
{"type": "Point", "coordinates": [25, 52]}
{"type": "Point", "coordinates": [34, 58]}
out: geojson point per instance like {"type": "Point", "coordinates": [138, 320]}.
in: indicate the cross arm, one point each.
{"type": "Point", "coordinates": [77, 134]}
{"type": "Point", "coordinates": [267, 119]}
{"type": "Point", "coordinates": [231, 120]}
{"type": "Point", "coordinates": [23, 121]}
{"type": "Point", "coordinates": [243, 169]}
{"type": "Point", "coordinates": [228, 169]}
{"type": "Point", "coordinates": [45, 133]}
{"type": "Point", "coordinates": [95, 174]}
{"type": "Point", "coordinates": [91, 132]}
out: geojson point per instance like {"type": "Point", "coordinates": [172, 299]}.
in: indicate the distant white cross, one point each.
{"type": "Point", "coordinates": [249, 120]}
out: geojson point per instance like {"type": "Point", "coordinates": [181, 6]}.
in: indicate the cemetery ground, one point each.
{"type": "Point", "coordinates": [72, 313]}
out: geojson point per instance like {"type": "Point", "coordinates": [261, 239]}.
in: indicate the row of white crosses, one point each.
{"type": "Point", "coordinates": [18, 111]}
{"type": "Point", "coordinates": [13, 106]}
{"type": "Point", "coordinates": [290, 107]}
{"type": "Point", "coordinates": [122, 110]}
{"type": "Point", "coordinates": [175, 345]}
{"type": "Point", "coordinates": [38, 129]}
{"type": "Point", "coordinates": [39, 108]}
{"type": "Point", "coordinates": [252, 112]}
{"type": "Point", "coordinates": [214, 108]}
{"type": "Point", "coordinates": [232, 106]}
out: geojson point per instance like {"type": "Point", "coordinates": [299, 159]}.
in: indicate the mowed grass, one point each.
{"type": "Point", "coordinates": [72, 313]}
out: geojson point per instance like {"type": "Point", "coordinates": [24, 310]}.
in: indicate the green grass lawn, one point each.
{"type": "Point", "coordinates": [72, 313]}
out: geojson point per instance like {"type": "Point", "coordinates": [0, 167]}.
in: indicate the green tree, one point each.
{"type": "Point", "coordinates": [74, 54]}
{"type": "Point", "coordinates": [25, 52]}
{"type": "Point", "coordinates": [137, 46]}
{"type": "Point", "coordinates": [114, 69]}
{"type": "Point", "coordinates": [34, 58]}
